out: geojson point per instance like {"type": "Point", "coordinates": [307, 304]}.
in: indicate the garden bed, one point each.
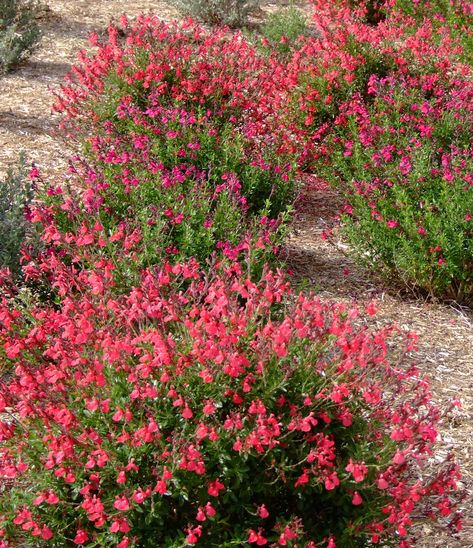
{"type": "Point", "coordinates": [445, 331]}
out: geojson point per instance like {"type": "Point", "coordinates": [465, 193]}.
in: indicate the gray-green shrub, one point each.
{"type": "Point", "coordinates": [283, 28]}
{"type": "Point", "coordinates": [234, 13]}
{"type": "Point", "coordinates": [19, 31]}
{"type": "Point", "coordinates": [16, 195]}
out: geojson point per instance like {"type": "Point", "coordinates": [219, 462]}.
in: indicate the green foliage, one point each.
{"type": "Point", "coordinates": [284, 28]}
{"type": "Point", "coordinates": [187, 189]}
{"type": "Point", "coordinates": [19, 32]}
{"type": "Point", "coordinates": [201, 408]}
{"type": "Point", "coordinates": [404, 162]}
{"type": "Point", "coordinates": [233, 13]}
{"type": "Point", "coordinates": [16, 195]}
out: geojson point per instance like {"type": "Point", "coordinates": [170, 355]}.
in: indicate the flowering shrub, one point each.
{"type": "Point", "coordinates": [152, 402]}
{"type": "Point", "coordinates": [407, 158]}
{"type": "Point", "coordinates": [162, 139]}
{"type": "Point", "coordinates": [378, 108]}
{"type": "Point", "coordinates": [156, 201]}
{"type": "Point", "coordinates": [205, 409]}
{"type": "Point", "coordinates": [169, 105]}
{"type": "Point", "coordinates": [454, 17]}
{"type": "Point", "coordinates": [170, 65]}
{"type": "Point", "coordinates": [340, 60]}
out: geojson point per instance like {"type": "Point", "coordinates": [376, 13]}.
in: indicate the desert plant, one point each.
{"type": "Point", "coordinates": [16, 195]}
{"type": "Point", "coordinates": [159, 64]}
{"type": "Point", "coordinates": [19, 32]}
{"type": "Point", "coordinates": [233, 13]}
{"type": "Point", "coordinates": [145, 214]}
{"type": "Point", "coordinates": [172, 142]}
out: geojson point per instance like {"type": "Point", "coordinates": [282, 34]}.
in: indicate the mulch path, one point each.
{"type": "Point", "coordinates": [445, 331]}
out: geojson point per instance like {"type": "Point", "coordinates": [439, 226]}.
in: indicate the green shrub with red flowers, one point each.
{"type": "Point", "coordinates": [405, 162]}
{"type": "Point", "coordinates": [152, 204]}
{"type": "Point", "coordinates": [382, 108]}
{"type": "Point", "coordinates": [206, 409]}
{"type": "Point", "coordinates": [150, 64]}
{"type": "Point", "coordinates": [451, 17]}
{"type": "Point", "coordinates": [162, 115]}
{"type": "Point", "coordinates": [352, 42]}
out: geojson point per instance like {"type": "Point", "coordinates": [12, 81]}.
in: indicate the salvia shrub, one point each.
{"type": "Point", "coordinates": [173, 65]}
{"type": "Point", "coordinates": [164, 117]}
{"type": "Point", "coordinates": [234, 13]}
{"type": "Point", "coordinates": [141, 143]}
{"type": "Point", "coordinates": [206, 409]}
{"type": "Point", "coordinates": [357, 114]}
{"type": "Point", "coordinates": [156, 401]}
{"type": "Point", "coordinates": [337, 63]}
{"type": "Point", "coordinates": [19, 32]}
{"type": "Point", "coordinates": [406, 155]}
{"type": "Point", "coordinates": [16, 195]}
{"type": "Point", "coordinates": [186, 96]}
{"type": "Point", "coordinates": [164, 215]}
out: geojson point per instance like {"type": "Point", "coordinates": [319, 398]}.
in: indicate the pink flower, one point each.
{"type": "Point", "coordinates": [256, 538]}
{"type": "Point", "coordinates": [34, 173]}
{"type": "Point", "coordinates": [331, 482]}
{"type": "Point", "coordinates": [187, 413]}
{"type": "Point", "coordinates": [121, 503]}
{"type": "Point", "coordinates": [382, 483]}
{"type": "Point", "coordinates": [356, 500]}
{"type": "Point", "coordinates": [81, 537]}
{"type": "Point", "coordinates": [263, 512]}
{"type": "Point", "coordinates": [214, 488]}
{"type": "Point", "coordinates": [399, 458]}
{"type": "Point", "coordinates": [358, 470]}
{"type": "Point", "coordinates": [405, 165]}
{"type": "Point", "coordinates": [46, 533]}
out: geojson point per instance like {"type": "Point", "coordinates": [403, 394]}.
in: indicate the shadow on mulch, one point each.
{"type": "Point", "coordinates": [47, 71]}
{"type": "Point", "coordinates": [18, 123]}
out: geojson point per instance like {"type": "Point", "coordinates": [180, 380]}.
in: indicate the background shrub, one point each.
{"type": "Point", "coordinates": [234, 13]}
{"type": "Point", "coordinates": [19, 32]}
{"type": "Point", "coordinates": [204, 409]}
{"type": "Point", "coordinates": [284, 28]}
{"type": "Point", "coordinates": [157, 216]}
{"type": "Point", "coordinates": [404, 160]}
{"type": "Point", "coordinates": [16, 196]}
{"type": "Point", "coordinates": [177, 65]}
{"type": "Point", "coordinates": [167, 121]}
